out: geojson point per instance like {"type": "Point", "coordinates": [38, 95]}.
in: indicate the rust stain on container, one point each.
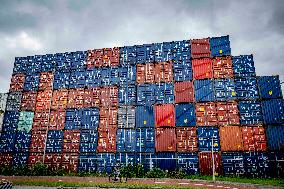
{"type": "Point", "coordinates": [108, 118]}
{"type": "Point", "coordinates": [186, 139]}
{"type": "Point", "coordinates": [164, 72]}
{"type": "Point", "coordinates": [228, 113]}
{"type": "Point", "coordinates": [107, 141]}
{"type": "Point", "coordinates": [59, 99]}
{"type": "Point", "coordinates": [46, 81]}
{"type": "Point", "coordinates": [92, 97]}
{"type": "Point", "coordinates": [165, 140]}
{"type": "Point", "coordinates": [109, 96]}
{"type": "Point", "coordinates": [254, 138]}
{"type": "Point", "coordinates": [165, 115]}
{"type": "Point", "coordinates": [17, 82]}
{"type": "Point", "coordinates": [76, 98]}
{"type": "Point", "coordinates": [206, 114]}
{"type": "Point", "coordinates": [206, 164]}
{"type": "Point", "coordinates": [29, 101]}
{"type": "Point", "coordinates": [231, 138]}
{"type": "Point", "coordinates": [57, 119]}
{"type": "Point", "coordinates": [200, 48]}
{"type": "Point", "coordinates": [202, 68]}
{"type": "Point", "coordinates": [184, 92]}
{"type": "Point", "coordinates": [223, 67]}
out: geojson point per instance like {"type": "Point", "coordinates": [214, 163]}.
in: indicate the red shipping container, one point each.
{"type": "Point", "coordinates": [108, 118]}
{"type": "Point", "coordinates": [206, 163]}
{"type": "Point", "coordinates": [165, 140]}
{"type": "Point", "coordinates": [231, 138]}
{"type": "Point", "coordinates": [92, 97]}
{"type": "Point", "coordinates": [70, 161]}
{"type": "Point", "coordinates": [35, 158]}
{"type": "Point", "coordinates": [145, 73]}
{"type": "Point", "coordinates": [223, 67]}
{"type": "Point", "coordinates": [186, 139]}
{"type": "Point", "coordinates": [76, 98]}
{"type": "Point", "coordinates": [228, 113]}
{"type": "Point", "coordinates": [43, 101]}
{"type": "Point", "coordinates": [46, 81]}
{"type": "Point", "coordinates": [140, 73]}
{"type": "Point", "coordinates": [38, 140]}
{"type": "Point", "coordinates": [94, 58]}
{"type": "Point", "coordinates": [164, 72]}
{"type": "Point", "coordinates": [71, 141]}
{"type": "Point", "coordinates": [200, 48]}
{"type": "Point", "coordinates": [165, 115]}
{"type": "Point", "coordinates": [109, 96]}
{"type": "Point", "coordinates": [111, 57]}
{"type": "Point", "coordinates": [206, 114]}
{"type": "Point", "coordinates": [184, 92]}
{"type": "Point", "coordinates": [6, 159]}
{"type": "Point", "coordinates": [202, 68]}
{"type": "Point", "coordinates": [59, 99]}
{"type": "Point", "coordinates": [254, 138]}
{"type": "Point", "coordinates": [29, 101]}
{"type": "Point", "coordinates": [57, 119]}
{"type": "Point", "coordinates": [107, 141]}
{"type": "Point", "coordinates": [17, 82]}
{"type": "Point", "coordinates": [41, 120]}
{"type": "Point", "coordinates": [53, 161]}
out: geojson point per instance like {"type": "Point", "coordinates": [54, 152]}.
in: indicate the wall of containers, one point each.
{"type": "Point", "coordinates": [161, 105]}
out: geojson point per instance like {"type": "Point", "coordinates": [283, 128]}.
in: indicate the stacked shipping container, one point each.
{"type": "Point", "coordinates": [164, 105]}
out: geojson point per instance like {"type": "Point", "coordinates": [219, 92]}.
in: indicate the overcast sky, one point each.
{"type": "Point", "coordinates": [33, 27]}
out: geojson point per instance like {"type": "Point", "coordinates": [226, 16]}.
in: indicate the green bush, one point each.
{"type": "Point", "coordinates": [176, 174]}
{"type": "Point", "coordinates": [131, 171]}
{"type": "Point", "coordinates": [156, 173]}
{"type": "Point", "coordinates": [40, 169]}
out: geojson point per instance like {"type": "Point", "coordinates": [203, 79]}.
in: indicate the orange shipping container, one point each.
{"type": "Point", "coordinates": [17, 82]}
{"type": "Point", "coordinates": [184, 92]}
{"type": "Point", "coordinates": [107, 141]}
{"type": "Point", "coordinates": [206, 114]}
{"type": "Point", "coordinates": [43, 100]}
{"type": "Point", "coordinates": [41, 120]}
{"type": "Point", "coordinates": [164, 72]}
{"type": "Point", "coordinates": [223, 67]}
{"type": "Point", "coordinates": [109, 96]}
{"type": "Point", "coordinates": [200, 48]}
{"type": "Point", "coordinates": [35, 158]}
{"type": "Point", "coordinates": [76, 98]}
{"type": "Point", "coordinates": [70, 162]}
{"type": "Point", "coordinates": [46, 81]}
{"type": "Point", "coordinates": [202, 68]}
{"type": "Point", "coordinates": [165, 115]}
{"type": "Point", "coordinates": [206, 164]}
{"type": "Point", "coordinates": [231, 138]}
{"type": "Point", "coordinates": [29, 101]}
{"type": "Point", "coordinates": [111, 56]}
{"type": "Point", "coordinates": [254, 138]}
{"type": "Point", "coordinates": [108, 118]}
{"type": "Point", "coordinates": [94, 58]}
{"type": "Point", "coordinates": [57, 120]}
{"type": "Point", "coordinates": [228, 113]}
{"type": "Point", "coordinates": [59, 99]}
{"type": "Point", "coordinates": [186, 139]}
{"type": "Point", "coordinates": [92, 97]}
{"type": "Point", "coordinates": [165, 140]}
{"type": "Point", "coordinates": [145, 73]}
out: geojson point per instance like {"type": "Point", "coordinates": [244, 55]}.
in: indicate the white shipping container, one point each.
{"type": "Point", "coordinates": [3, 100]}
{"type": "Point", "coordinates": [1, 120]}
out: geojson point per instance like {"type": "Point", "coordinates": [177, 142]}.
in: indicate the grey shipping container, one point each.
{"type": "Point", "coordinates": [3, 100]}
{"type": "Point", "coordinates": [126, 117]}
{"type": "Point", "coordinates": [14, 101]}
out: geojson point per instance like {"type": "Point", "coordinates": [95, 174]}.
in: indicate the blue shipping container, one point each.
{"type": "Point", "coordinates": [166, 161]}
{"type": "Point", "coordinates": [205, 135]}
{"type": "Point", "coordinates": [233, 163]}
{"type": "Point", "coordinates": [125, 140]}
{"type": "Point", "coordinates": [63, 61]}
{"type": "Point", "coordinates": [273, 111]}
{"type": "Point", "coordinates": [127, 95]}
{"type": "Point", "coordinates": [20, 160]}
{"type": "Point", "coordinates": [145, 140]}
{"type": "Point", "coordinates": [31, 82]}
{"type": "Point", "coordinates": [47, 62]}
{"type": "Point", "coordinates": [90, 118]}
{"type": "Point", "coordinates": [188, 162]}
{"type": "Point", "coordinates": [123, 159]}
{"type": "Point", "coordinates": [181, 51]}
{"type": "Point", "coordinates": [7, 141]}
{"type": "Point", "coordinates": [250, 113]}
{"type": "Point", "coordinates": [105, 162]}
{"type": "Point", "coordinates": [127, 75]}
{"type": "Point", "coordinates": [54, 141]}
{"type": "Point", "coordinates": [61, 80]}
{"type": "Point", "coordinates": [20, 65]}
{"type": "Point", "coordinates": [220, 46]}
{"type": "Point", "coordinates": [105, 76]}
{"type": "Point", "coordinates": [224, 89]}
{"type": "Point", "coordinates": [185, 115]}
{"type": "Point", "coordinates": [246, 88]}
{"type": "Point", "coordinates": [146, 94]}
{"type": "Point", "coordinates": [88, 141]}
{"type": "Point", "coordinates": [33, 66]}
{"type": "Point", "coordinates": [78, 60]}
{"type": "Point", "coordinates": [22, 142]}
{"type": "Point", "coordinates": [269, 87]}
{"type": "Point", "coordinates": [243, 66]}
{"type": "Point", "coordinates": [183, 71]}
{"type": "Point", "coordinates": [275, 137]}
{"type": "Point", "coordinates": [146, 116]}
{"type": "Point", "coordinates": [164, 93]}
{"type": "Point", "coordinates": [73, 119]}
{"type": "Point", "coordinates": [147, 160]}
{"type": "Point", "coordinates": [256, 164]}
{"type": "Point", "coordinates": [77, 79]}
{"type": "Point", "coordinates": [10, 121]}
{"type": "Point", "coordinates": [87, 163]}
{"type": "Point", "coordinates": [204, 90]}
{"type": "Point", "coordinates": [93, 77]}
{"type": "Point", "coordinates": [127, 55]}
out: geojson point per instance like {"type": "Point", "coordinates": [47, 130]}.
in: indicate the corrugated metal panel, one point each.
{"type": "Point", "coordinates": [106, 76]}
{"type": "Point", "coordinates": [186, 139]}
{"type": "Point", "coordinates": [45, 81]}
{"type": "Point", "coordinates": [147, 160]}
{"type": "Point", "coordinates": [126, 117]}
{"type": "Point", "coordinates": [185, 115]}
{"type": "Point", "coordinates": [107, 141]}
{"type": "Point", "coordinates": [220, 46]}
{"type": "Point", "coordinates": [231, 138]}
{"type": "Point", "coordinates": [105, 162]}
{"type": "Point", "coordinates": [92, 97]}
{"type": "Point", "coordinates": [108, 118]}
{"type": "Point", "coordinates": [78, 60]}
{"type": "Point", "coordinates": [256, 164]}
{"type": "Point", "coordinates": [233, 163]}
{"type": "Point", "coordinates": [243, 66]}
{"type": "Point", "coordinates": [90, 118]}
{"type": "Point", "coordinates": [200, 48]}
{"type": "Point", "coordinates": [254, 138]}
{"type": "Point", "coordinates": [6, 159]}
{"type": "Point", "coordinates": [109, 96]}
{"type": "Point", "coordinates": [114, 76]}
{"type": "Point", "coordinates": [206, 114]}
{"type": "Point", "coordinates": [41, 120]}
{"type": "Point", "coordinates": [124, 159]}
{"type": "Point", "coordinates": [29, 101]}
{"type": "Point", "coordinates": [166, 161]}
{"type": "Point", "coordinates": [47, 62]}
{"type": "Point", "coordinates": [127, 75]}
{"type": "Point", "coordinates": [43, 100]}
{"type": "Point", "coordinates": [53, 161]}
{"type": "Point", "coordinates": [77, 79]}
{"type": "Point", "coordinates": [250, 112]}
{"type": "Point", "coordinates": [63, 61]}
{"type": "Point", "coordinates": [183, 70]}
{"type": "Point", "coordinates": [22, 142]}
{"type": "Point", "coordinates": [223, 67]}
{"type": "Point", "coordinates": [126, 140]}
{"type": "Point", "coordinates": [202, 68]}
{"type": "Point", "coordinates": [71, 141]}
{"type": "Point", "coordinates": [17, 82]}
{"type": "Point", "coordinates": [181, 51]}
{"type": "Point", "coordinates": [93, 77]}
{"type": "Point", "coordinates": [20, 65]}
{"type": "Point", "coordinates": [20, 160]}
{"type": "Point", "coordinates": [269, 87]}
{"type": "Point", "coordinates": [31, 82]}
{"type": "Point", "coordinates": [164, 72]}
{"type": "Point", "coordinates": [73, 119]}
{"type": "Point", "coordinates": [146, 116]}
{"type": "Point", "coordinates": [57, 120]}
{"type": "Point", "coordinates": [10, 121]}
{"type": "Point", "coordinates": [25, 121]}
{"type": "Point", "coordinates": [228, 113]}
{"type": "Point", "coordinates": [70, 162]}
{"type": "Point", "coordinates": [225, 89]}
{"type": "Point", "coordinates": [146, 94]}
{"type": "Point", "coordinates": [54, 141]}
{"type": "Point", "coordinates": [184, 92]}
{"type": "Point", "coordinates": [165, 140]}
{"type": "Point", "coordinates": [188, 162]}
{"type": "Point", "coordinates": [61, 80]}
{"type": "Point", "coordinates": [273, 111]}
{"type": "Point", "coordinates": [165, 115]}
{"type": "Point", "coordinates": [87, 163]}
{"type": "Point", "coordinates": [59, 99]}
{"type": "Point", "coordinates": [206, 163]}
{"type": "Point", "coordinates": [127, 55]}
{"type": "Point", "coordinates": [89, 141]}
{"type": "Point", "coordinates": [7, 141]}
{"type": "Point", "coordinates": [33, 65]}
{"type": "Point", "coordinates": [3, 101]}
{"type": "Point", "coordinates": [14, 101]}
{"type": "Point", "coordinates": [246, 88]}
{"type": "Point", "coordinates": [143, 53]}
{"type": "Point", "coordinates": [275, 137]}
{"type": "Point", "coordinates": [204, 90]}
{"type": "Point", "coordinates": [127, 95]}
{"type": "Point", "coordinates": [38, 141]}
{"type": "Point", "coordinates": [145, 73]}
{"type": "Point", "coordinates": [76, 98]}
{"type": "Point", "coordinates": [164, 93]}
{"type": "Point", "coordinates": [94, 58]}
{"type": "Point", "coordinates": [145, 140]}
{"type": "Point", "coordinates": [205, 135]}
